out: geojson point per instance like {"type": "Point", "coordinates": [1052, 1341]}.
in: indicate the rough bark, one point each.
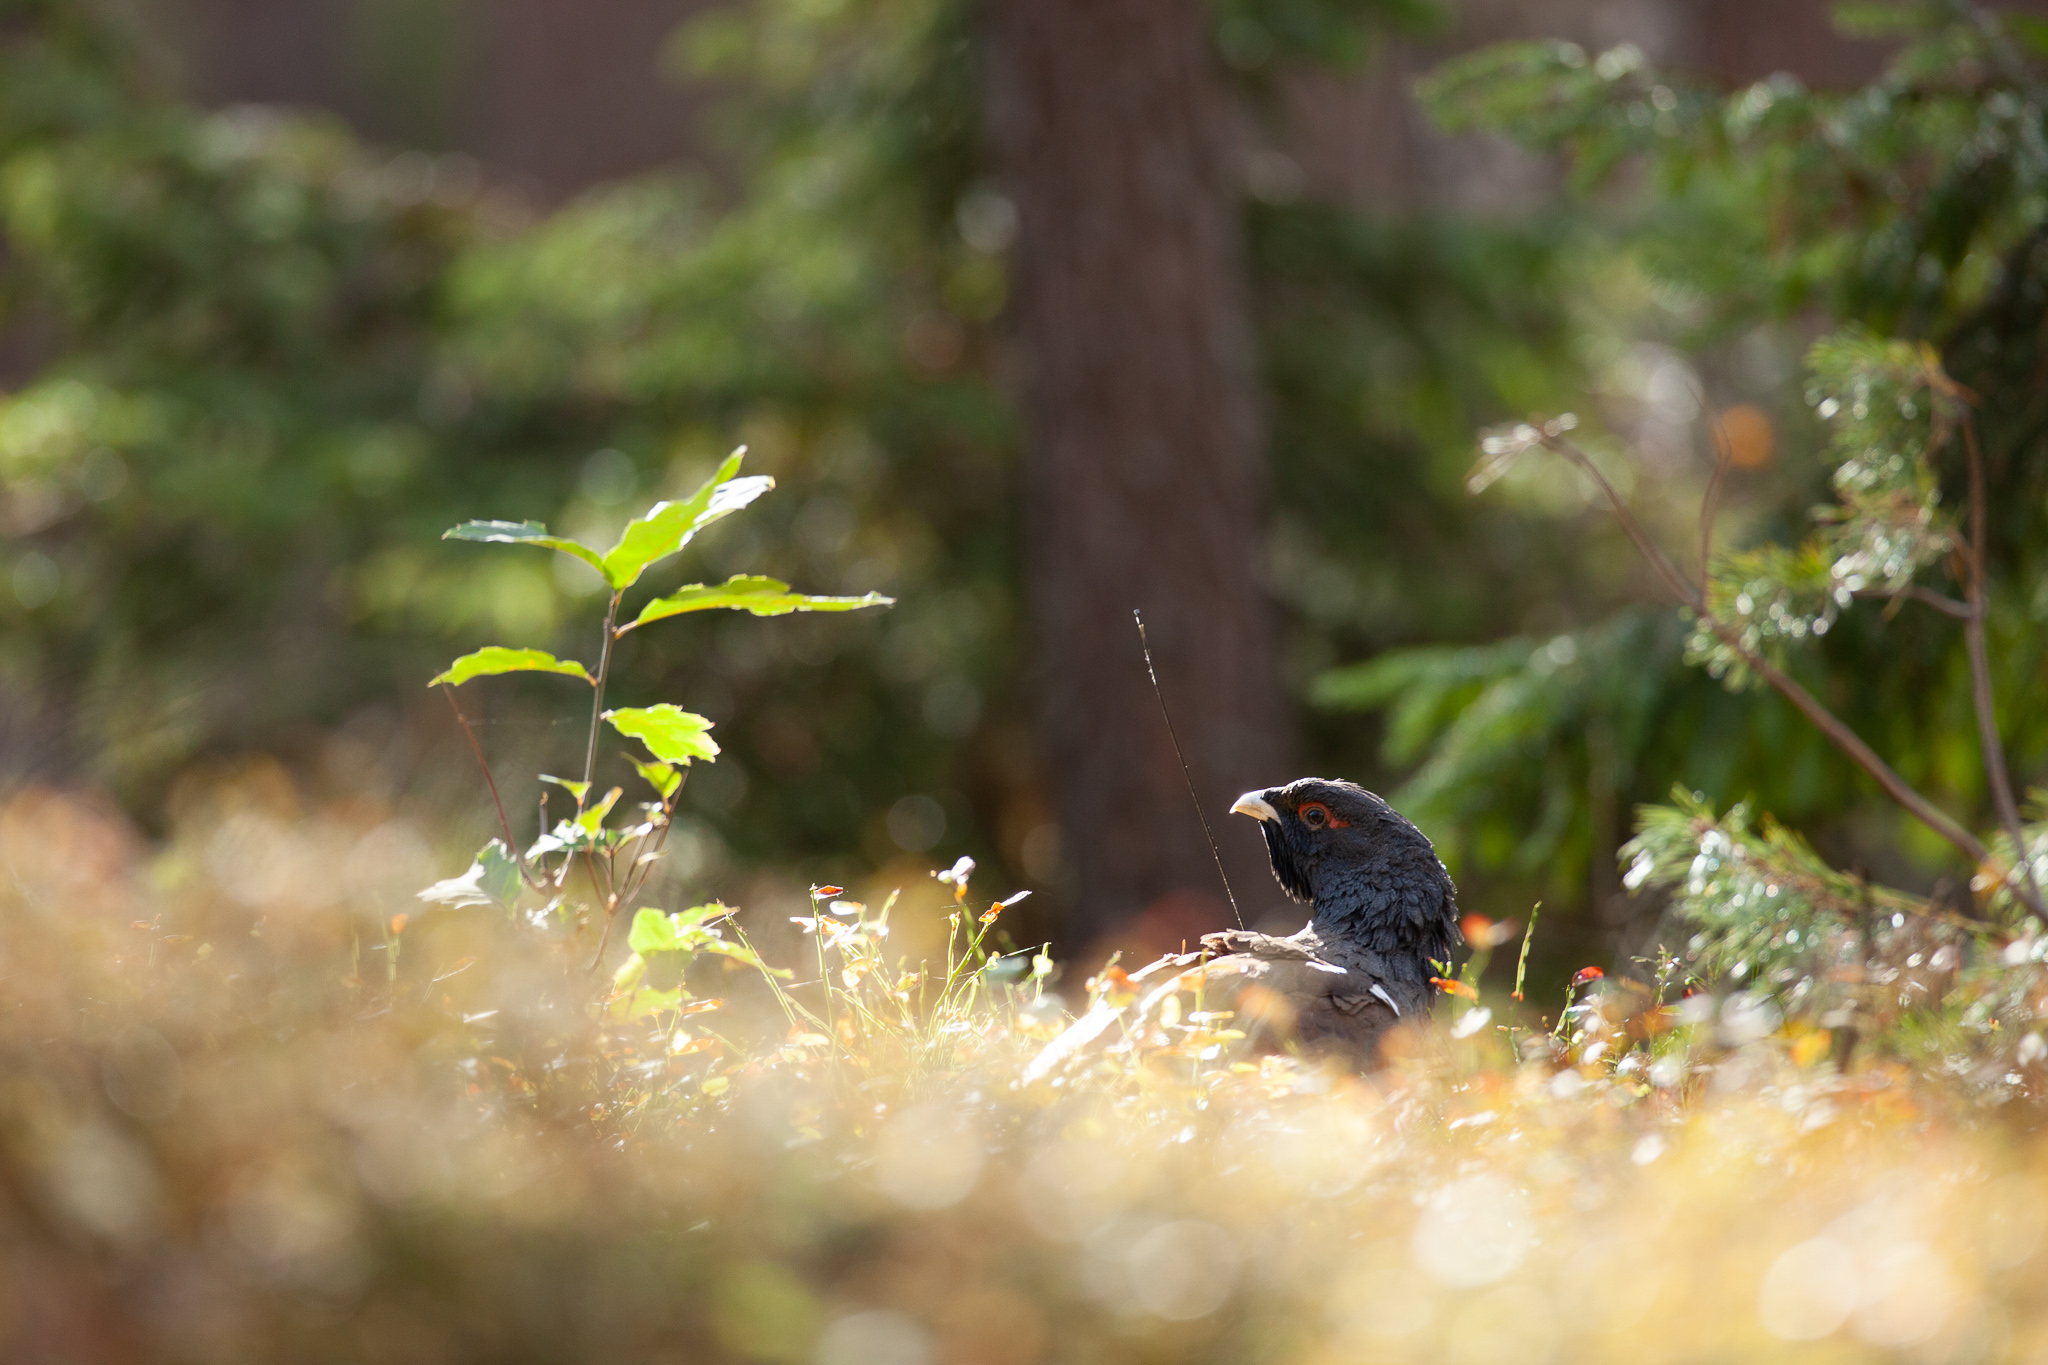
{"type": "Point", "coordinates": [1143, 476]}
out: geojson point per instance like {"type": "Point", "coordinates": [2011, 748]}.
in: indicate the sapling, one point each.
{"type": "Point", "coordinates": [617, 857]}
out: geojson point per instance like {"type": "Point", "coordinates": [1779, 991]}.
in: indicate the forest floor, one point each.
{"type": "Point", "coordinates": [248, 1115]}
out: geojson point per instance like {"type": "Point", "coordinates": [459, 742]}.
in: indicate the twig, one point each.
{"type": "Point", "coordinates": [1845, 739]}
{"type": "Point", "coordinates": [1941, 602]}
{"type": "Point", "coordinates": [1980, 679]}
{"type": "Point", "coordinates": [1145, 646]}
{"type": "Point", "coordinates": [1724, 454]}
{"type": "Point", "coordinates": [603, 941]}
{"type": "Point", "coordinates": [511, 845]}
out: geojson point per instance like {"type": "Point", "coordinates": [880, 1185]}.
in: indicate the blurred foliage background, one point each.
{"type": "Point", "coordinates": [255, 363]}
{"type": "Point", "coordinates": [269, 327]}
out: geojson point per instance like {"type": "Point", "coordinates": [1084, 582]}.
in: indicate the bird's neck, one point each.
{"type": "Point", "coordinates": [1382, 908]}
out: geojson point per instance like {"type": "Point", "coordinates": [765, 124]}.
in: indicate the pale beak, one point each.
{"type": "Point", "coordinates": [1255, 805]}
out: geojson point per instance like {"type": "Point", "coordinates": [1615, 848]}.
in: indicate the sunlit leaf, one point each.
{"type": "Point", "coordinates": [576, 789]}
{"type": "Point", "coordinates": [493, 659]}
{"type": "Point", "coordinates": [493, 879]}
{"type": "Point", "coordinates": [667, 527]}
{"type": "Point", "coordinates": [750, 593]}
{"type": "Point", "coordinates": [661, 776]}
{"type": "Point", "coordinates": [670, 733]}
{"type": "Point", "coordinates": [578, 835]}
{"type": "Point", "coordinates": [591, 821]}
{"type": "Point", "coordinates": [523, 533]}
{"type": "Point", "coordinates": [657, 932]}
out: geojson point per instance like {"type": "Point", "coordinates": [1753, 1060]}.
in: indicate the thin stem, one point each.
{"type": "Point", "coordinates": [603, 941]}
{"type": "Point", "coordinates": [1941, 602]}
{"type": "Point", "coordinates": [825, 978]}
{"type": "Point", "coordinates": [604, 668]}
{"type": "Point", "coordinates": [511, 844]}
{"type": "Point", "coordinates": [1845, 739]}
{"type": "Point", "coordinates": [1980, 679]}
{"type": "Point", "coordinates": [1724, 453]}
{"type": "Point", "coordinates": [1693, 597]}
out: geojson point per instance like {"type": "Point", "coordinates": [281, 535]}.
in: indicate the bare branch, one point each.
{"type": "Point", "coordinates": [1673, 579]}
{"type": "Point", "coordinates": [1844, 738]}
{"type": "Point", "coordinates": [511, 844]}
{"type": "Point", "coordinates": [1995, 773]}
{"type": "Point", "coordinates": [1724, 454]}
{"type": "Point", "coordinates": [1941, 602]}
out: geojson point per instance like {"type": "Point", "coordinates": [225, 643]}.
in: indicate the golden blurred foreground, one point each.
{"type": "Point", "coordinates": [241, 1121]}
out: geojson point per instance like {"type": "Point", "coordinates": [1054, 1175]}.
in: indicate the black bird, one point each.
{"type": "Point", "coordinates": [1383, 913]}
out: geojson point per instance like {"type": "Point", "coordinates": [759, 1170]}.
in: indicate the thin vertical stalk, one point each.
{"type": "Point", "coordinates": [604, 668]}
{"type": "Point", "coordinates": [511, 845]}
{"type": "Point", "coordinates": [1978, 593]}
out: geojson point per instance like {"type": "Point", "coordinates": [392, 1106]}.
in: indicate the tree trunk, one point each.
{"type": "Point", "coordinates": [1143, 479]}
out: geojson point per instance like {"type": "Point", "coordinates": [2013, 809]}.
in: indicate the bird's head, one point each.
{"type": "Point", "coordinates": [1360, 861]}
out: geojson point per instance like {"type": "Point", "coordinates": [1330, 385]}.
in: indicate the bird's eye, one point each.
{"type": "Point", "coordinates": [1315, 815]}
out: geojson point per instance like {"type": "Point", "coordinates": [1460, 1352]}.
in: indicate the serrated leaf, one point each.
{"type": "Point", "coordinates": [524, 533]}
{"type": "Point", "coordinates": [493, 879]}
{"type": "Point", "coordinates": [750, 593]}
{"type": "Point", "coordinates": [670, 733]}
{"type": "Point", "coordinates": [667, 527]}
{"type": "Point", "coordinates": [493, 659]}
{"type": "Point", "coordinates": [661, 776]}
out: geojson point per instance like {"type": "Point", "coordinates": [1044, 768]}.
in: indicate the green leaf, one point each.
{"type": "Point", "coordinates": [654, 932]}
{"type": "Point", "coordinates": [670, 733]}
{"type": "Point", "coordinates": [683, 931]}
{"type": "Point", "coordinates": [493, 879]}
{"type": "Point", "coordinates": [667, 527]}
{"type": "Point", "coordinates": [498, 659]}
{"type": "Point", "coordinates": [661, 776]}
{"type": "Point", "coordinates": [591, 821]}
{"type": "Point", "coordinates": [579, 790]}
{"type": "Point", "coordinates": [523, 533]}
{"type": "Point", "coordinates": [648, 1001]}
{"type": "Point", "coordinates": [745, 592]}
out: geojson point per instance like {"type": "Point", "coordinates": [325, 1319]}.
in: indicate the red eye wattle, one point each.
{"type": "Point", "coordinates": [1316, 815]}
